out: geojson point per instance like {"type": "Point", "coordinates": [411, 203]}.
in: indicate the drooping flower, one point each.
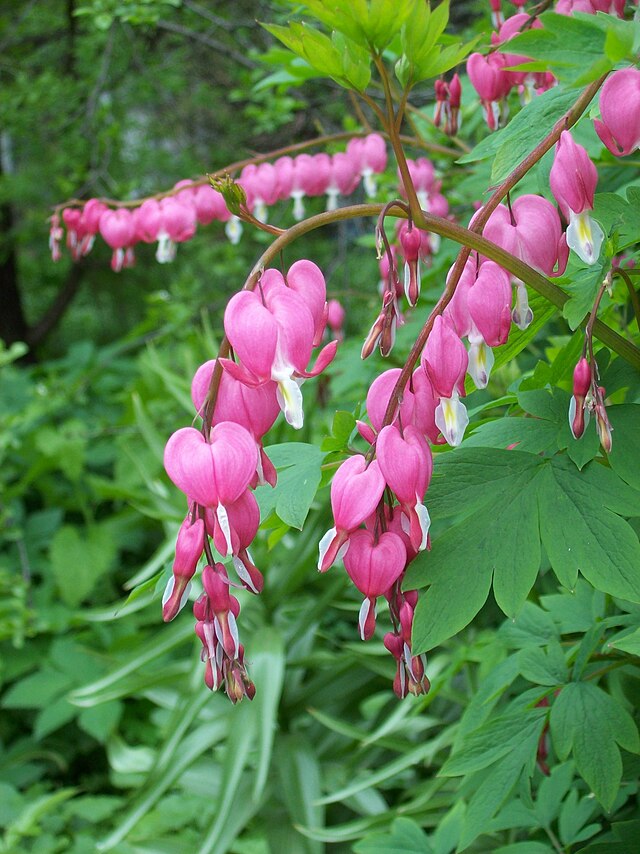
{"type": "Point", "coordinates": [189, 547]}
{"type": "Point", "coordinates": [335, 318]}
{"type": "Point", "coordinates": [445, 361]}
{"type": "Point", "coordinates": [619, 129]}
{"type": "Point", "coordinates": [411, 240]}
{"type": "Point", "coordinates": [531, 230]}
{"type": "Point", "coordinates": [255, 408]}
{"type": "Point", "coordinates": [489, 306]}
{"type": "Point", "coordinates": [373, 566]}
{"type": "Point", "coordinates": [117, 228]}
{"type": "Point", "coordinates": [356, 490]}
{"type": "Point", "coordinates": [573, 180]}
{"type": "Point", "coordinates": [282, 321]}
{"type": "Point", "coordinates": [578, 410]}
{"type": "Point", "coordinates": [212, 473]}
{"type": "Point", "coordinates": [491, 82]}
{"type": "Point", "coordinates": [406, 465]}
{"type": "Point", "coordinates": [234, 532]}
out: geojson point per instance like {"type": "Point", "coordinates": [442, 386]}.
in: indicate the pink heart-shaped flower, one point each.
{"type": "Point", "coordinates": [375, 567]}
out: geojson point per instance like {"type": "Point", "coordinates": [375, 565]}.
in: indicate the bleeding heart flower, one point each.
{"type": "Point", "coordinates": [355, 492]}
{"type": "Point", "coordinates": [214, 472]}
{"type": "Point", "coordinates": [619, 129]}
{"type": "Point", "coordinates": [373, 567]}
{"type": "Point", "coordinates": [406, 465]}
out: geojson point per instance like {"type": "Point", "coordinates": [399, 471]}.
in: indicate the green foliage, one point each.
{"type": "Point", "coordinates": [577, 48]}
{"type": "Point", "coordinates": [580, 710]}
{"type": "Point", "coordinates": [338, 57]}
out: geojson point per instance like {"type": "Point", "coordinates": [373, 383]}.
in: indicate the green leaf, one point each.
{"type": "Point", "coordinates": [624, 458]}
{"type": "Point", "coordinates": [573, 816]}
{"type": "Point", "coordinates": [582, 288]}
{"type": "Point", "coordinates": [544, 667]}
{"type": "Point", "coordinates": [498, 540]}
{"type": "Point", "coordinates": [100, 721]}
{"type": "Point", "coordinates": [28, 822]}
{"type": "Point", "coordinates": [338, 57]}
{"type": "Point", "coordinates": [577, 610]}
{"type": "Point", "coordinates": [79, 561]}
{"type": "Point", "coordinates": [527, 129]}
{"type": "Point", "coordinates": [505, 502]}
{"type": "Point", "coordinates": [495, 739]}
{"type": "Point", "coordinates": [531, 626]}
{"type": "Point", "coordinates": [619, 217]}
{"type": "Point", "coordinates": [581, 531]}
{"type": "Point", "coordinates": [299, 475]}
{"type": "Point", "coordinates": [571, 47]}
{"type": "Point", "coordinates": [53, 716]}
{"type": "Point", "coordinates": [300, 782]}
{"type": "Point", "coordinates": [405, 837]}
{"type": "Point", "coordinates": [488, 694]}
{"type": "Point", "coordinates": [551, 792]}
{"type": "Point", "coordinates": [628, 643]}
{"type": "Point", "coordinates": [579, 712]}
{"type": "Point", "coordinates": [491, 786]}
{"type": "Point", "coordinates": [533, 435]}
{"type": "Point", "coordinates": [525, 848]}
{"type": "Point", "coordinates": [422, 752]}
{"type": "Point", "coordinates": [268, 671]}
{"type": "Point", "coordinates": [36, 691]}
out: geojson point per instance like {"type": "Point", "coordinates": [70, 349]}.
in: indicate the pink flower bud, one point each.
{"type": "Point", "coordinates": [411, 240]}
{"type": "Point", "coordinates": [445, 359]}
{"type": "Point", "coordinates": [619, 129]}
{"type": "Point", "coordinates": [603, 424]}
{"type": "Point", "coordinates": [335, 317]}
{"type": "Point", "coordinates": [442, 96]}
{"type": "Point", "coordinates": [573, 176]}
{"type": "Point", "coordinates": [582, 378]}
{"type": "Point", "coordinates": [455, 91]}
{"type": "Point", "coordinates": [216, 584]}
{"type": "Point", "coordinates": [383, 331]}
{"type": "Point", "coordinates": [189, 547]}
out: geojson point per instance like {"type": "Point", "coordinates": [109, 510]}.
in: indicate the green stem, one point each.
{"type": "Point", "coordinates": [633, 294]}
{"type": "Point", "coordinates": [392, 126]}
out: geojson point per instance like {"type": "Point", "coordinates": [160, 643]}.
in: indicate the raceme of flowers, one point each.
{"type": "Point", "coordinates": [175, 218]}
{"type": "Point", "coordinates": [273, 331]}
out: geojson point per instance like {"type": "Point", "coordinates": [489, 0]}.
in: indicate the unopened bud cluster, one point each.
{"type": "Point", "coordinates": [588, 399]}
